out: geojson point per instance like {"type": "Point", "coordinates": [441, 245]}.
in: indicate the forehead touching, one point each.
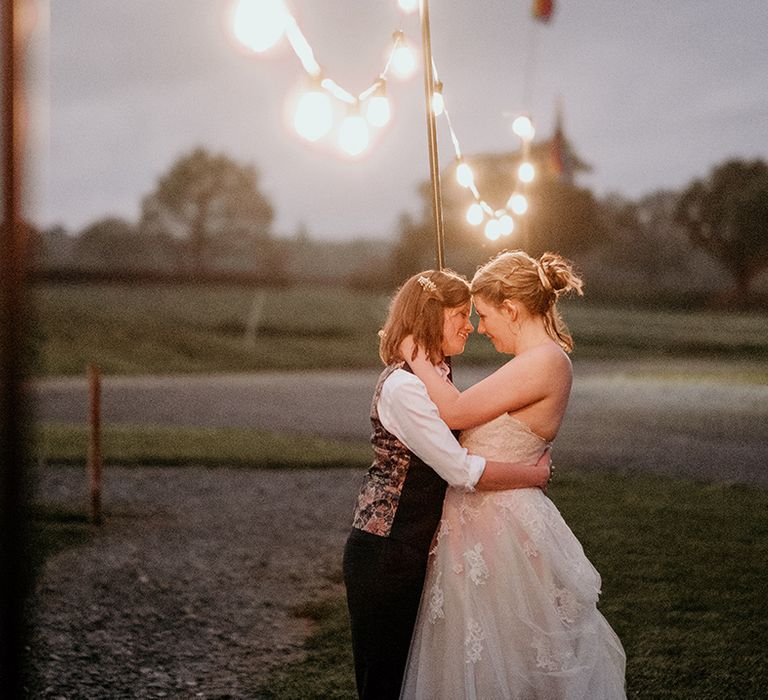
{"type": "Point", "coordinates": [482, 307]}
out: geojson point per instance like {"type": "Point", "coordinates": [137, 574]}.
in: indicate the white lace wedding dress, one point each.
{"type": "Point", "coordinates": [508, 609]}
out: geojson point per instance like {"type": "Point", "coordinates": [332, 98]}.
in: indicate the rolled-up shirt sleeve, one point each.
{"type": "Point", "coordinates": [406, 411]}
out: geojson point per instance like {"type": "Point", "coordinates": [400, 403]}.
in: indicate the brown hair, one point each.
{"type": "Point", "coordinates": [536, 283]}
{"type": "Point", "coordinates": [417, 309]}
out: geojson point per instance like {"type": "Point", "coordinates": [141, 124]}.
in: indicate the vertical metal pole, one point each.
{"type": "Point", "coordinates": [434, 166]}
{"type": "Point", "coordinates": [13, 497]}
{"type": "Point", "coordinates": [525, 220]}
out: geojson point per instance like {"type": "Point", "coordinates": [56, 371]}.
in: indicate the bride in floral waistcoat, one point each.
{"type": "Point", "coordinates": [509, 603]}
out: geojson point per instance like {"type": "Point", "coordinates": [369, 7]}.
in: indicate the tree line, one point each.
{"type": "Point", "coordinates": [207, 215]}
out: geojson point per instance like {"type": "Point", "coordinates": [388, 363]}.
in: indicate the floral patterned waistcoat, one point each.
{"type": "Point", "coordinates": [401, 497]}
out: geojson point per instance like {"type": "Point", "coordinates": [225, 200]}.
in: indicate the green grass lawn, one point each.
{"type": "Point", "coordinates": [683, 567]}
{"type": "Point", "coordinates": [185, 329]}
{"type": "Point", "coordinates": [145, 329]}
{"type": "Point", "coordinates": [152, 445]}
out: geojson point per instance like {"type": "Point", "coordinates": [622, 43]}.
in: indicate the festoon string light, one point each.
{"type": "Point", "coordinates": [260, 24]}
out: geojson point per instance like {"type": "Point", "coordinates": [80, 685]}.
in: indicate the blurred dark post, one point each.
{"type": "Point", "coordinates": [94, 443]}
{"type": "Point", "coordinates": [13, 489]}
{"type": "Point", "coordinates": [434, 166]}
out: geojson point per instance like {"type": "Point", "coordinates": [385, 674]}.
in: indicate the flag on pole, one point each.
{"type": "Point", "coordinates": [542, 10]}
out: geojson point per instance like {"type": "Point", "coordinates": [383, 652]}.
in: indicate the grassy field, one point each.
{"type": "Point", "coordinates": [145, 329]}
{"type": "Point", "coordinates": [683, 586]}
{"type": "Point", "coordinates": [153, 445]}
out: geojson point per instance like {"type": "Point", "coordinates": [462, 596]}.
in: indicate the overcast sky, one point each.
{"type": "Point", "coordinates": [654, 93]}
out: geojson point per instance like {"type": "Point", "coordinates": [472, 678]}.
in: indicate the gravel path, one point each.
{"type": "Point", "coordinates": [188, 589]}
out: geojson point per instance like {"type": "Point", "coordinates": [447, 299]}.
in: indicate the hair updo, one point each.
{"type": "Point", "coordinates": [537, 284]}
{"type": "Point", "coordinates": [417, 310]}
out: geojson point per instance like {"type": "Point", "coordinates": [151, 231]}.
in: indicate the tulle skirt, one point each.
{"type": "Point", "coordinates": [509, 607]}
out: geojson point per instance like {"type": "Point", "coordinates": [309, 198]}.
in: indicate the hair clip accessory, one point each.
{"type": "Point", "coordinates": [427, 284]}
{"type": "Point", "coordinates": [545, 281]}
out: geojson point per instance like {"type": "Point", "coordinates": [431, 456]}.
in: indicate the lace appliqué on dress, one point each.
{"type": "Point", "coordinates": [478, 569]}
{"type": "Point", "coordinates": [567, 606]}
{"type": "Point", "coordinates": [533, 520]}
{"type": "Point", "coordinates": [436, 600]}
{"type": "Point", "coordinates": [443, 531]}
{"type": "Point", "coordinates": [467, 513]}
{"type": "Point", "coordinates": [473, 642]}
{"type": "Point", "coordinates": [550, 659]}
{"type": "Point", "coordinates": [530, 549]}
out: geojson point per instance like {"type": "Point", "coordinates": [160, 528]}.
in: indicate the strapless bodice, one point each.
{"type": "Point", "coordinates": [505, 439]}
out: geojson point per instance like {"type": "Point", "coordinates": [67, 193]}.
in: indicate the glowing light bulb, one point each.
{"type": "Point", "coordinates": [518, 204]}
{"type": "Point", "coordinates": [464, 175]}
{"type": "Point", "coordinates": [438, 103]}
{"type": "Point", "coordinates": [492, 229]}
{"type": "Point", "coordinates": [403, 61]}
{"type": "Point", "coordinates": [353, 135]}
{"type": "Point", "coordinates": [475, 214]}
{"type": "Point", "coordinates": [377, 111]}
{"type": "Point", "coordinates": [526, 172]}
{"type": "Point", "coordinates": [523, 127]}
{"type": "Point", "coordinates": [260, 24]}
{"type": "Point", "coordinates": [408, 6]}
{"type": "Point", "coordinates": [506, 224]}
{"type": "Point", "coordinates": [314, 116]}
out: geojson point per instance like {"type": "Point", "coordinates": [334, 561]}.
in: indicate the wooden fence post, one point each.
{"type": "Point", "coordinates": [94, 443]}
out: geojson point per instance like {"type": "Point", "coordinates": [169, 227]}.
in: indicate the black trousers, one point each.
{"type": "Point", "coordinates": [384, 580]}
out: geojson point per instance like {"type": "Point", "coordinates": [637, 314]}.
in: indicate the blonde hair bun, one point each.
{"type": "Point", "coordinates": [515, 275]}
{"type": "Point", "coordinates": [558, 275]}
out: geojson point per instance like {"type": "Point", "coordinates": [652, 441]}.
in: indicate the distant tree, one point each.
{"type": "Point", "coordinates": [34, 243]}
{"type": "Point", "coordinates": [210, 202]}
{"type": "Point", "coordinates": [727, 215]}
{"type": "Point", "coordinates": [414, 250]}
{"type": "Point", "coordinates": [646, 254]}
{"type": "Point", "coordinates": [561, 216]}
{"type": "Point", "coordinates": [111, 243]}
{"type": "Point", "coordinates": [55, 248]}
{"type": "Point", "coordinates": [643, 237]}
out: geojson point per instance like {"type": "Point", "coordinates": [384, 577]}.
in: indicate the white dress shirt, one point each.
{"type": "Point", "coordinates": [406, 411]}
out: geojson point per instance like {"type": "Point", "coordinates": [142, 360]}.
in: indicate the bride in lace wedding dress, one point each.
{"type": "Point", "coordinates": [509, 602]}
